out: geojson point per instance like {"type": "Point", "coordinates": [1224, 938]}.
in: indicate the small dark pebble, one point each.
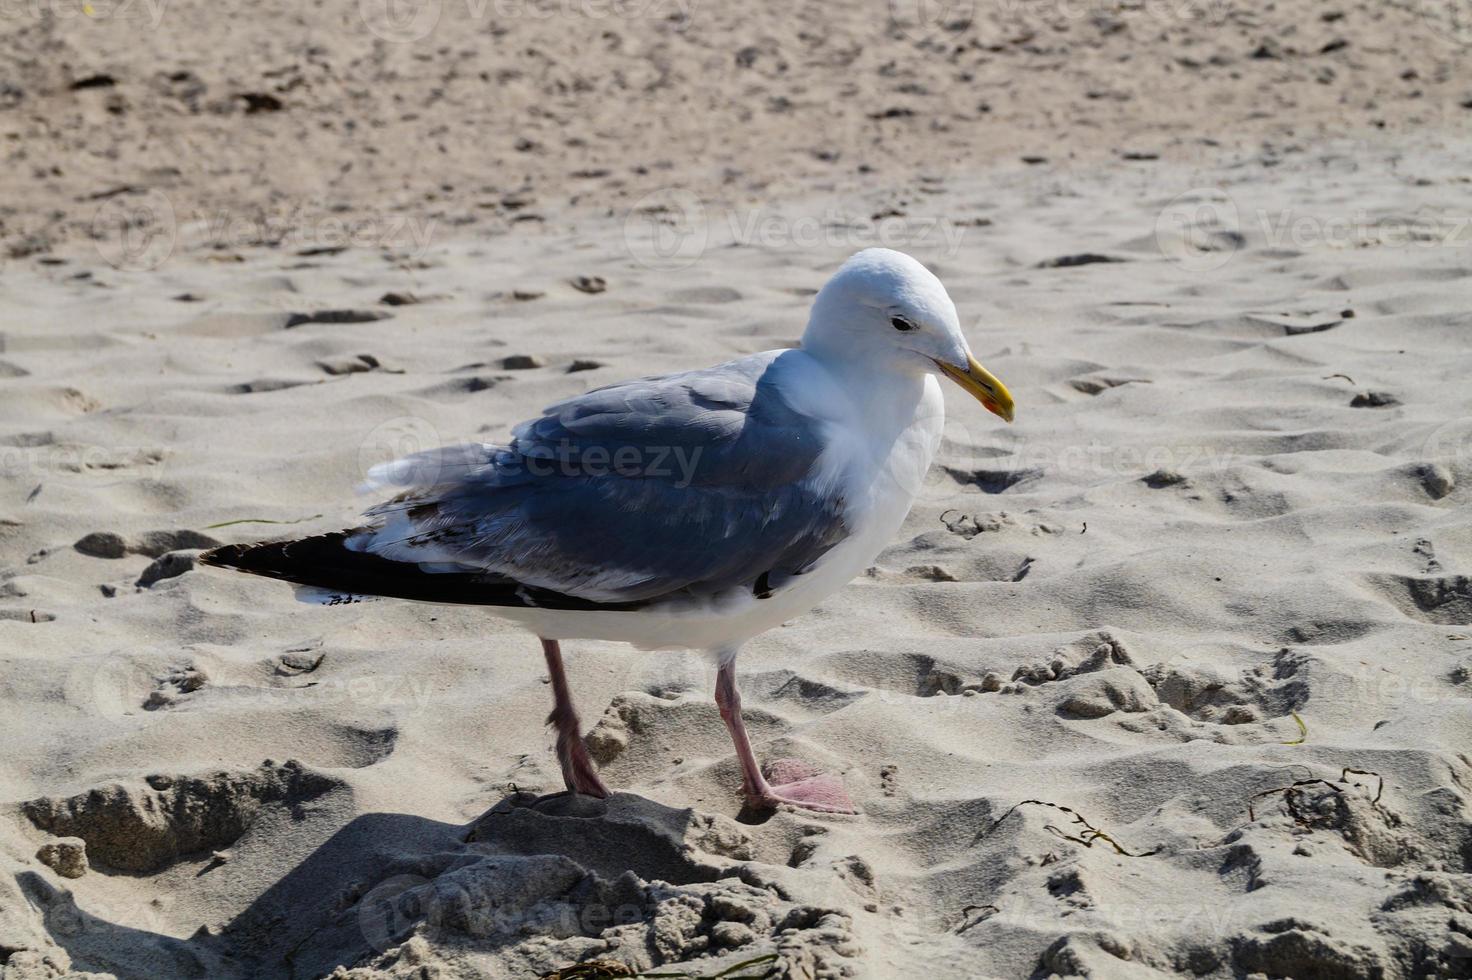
{"type": "Point", "coordinates": [1374, 399]}
{"type": "Point", "coordinates": [589, 284]}
{"type": "Point", "coordinates": [350, 365]}
{"type": "Point", "coordinates": [583, 364]}
{"type": "Point", "coordinates": [1163, 478]}
{"type": "Point", "coordinates": [398, 299]}
{"type": "Point", "coordinates": [93, 81]}
{"type": "Point", "coordinates": [189, 298]}
{"type": "Point", "coordinates": [260, 102]}
{"type": "Point", "coordinates": [522, 362]}
{"type": "Point", "coordinates": [526, 295]}
{"type": "Point", "coordinates": [336, 316]}
{"type": "Point", "coordinates": [116, 191]}
{"type": "Point", "coordinates": [1082, 258]}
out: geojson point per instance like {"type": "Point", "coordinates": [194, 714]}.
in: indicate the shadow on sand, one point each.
{"type": "Point", "coordinates": [562, 865]}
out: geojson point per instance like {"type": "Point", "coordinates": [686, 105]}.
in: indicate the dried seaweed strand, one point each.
{"type": "Point", "coordinates": [591, 970]}
{"type": "Point", "coordinates": [729, 973]}
{"type": "Point", "coordinates": [987, 911]}
{"type": "Point", "coordinates": [1287, 791]}
{"type": "Point", "coordinates": [259, 520]}
{"type": "Point", "coordinates": [1087, 837]}
{"type": "Point", "coordinates": [1379, 780]}
{"type": "Point", "coordinates": [1302, 730]}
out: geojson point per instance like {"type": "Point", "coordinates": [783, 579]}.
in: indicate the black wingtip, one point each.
{"type": "Point", "coordinates": [325, 561]}
{"type": "Point", "coordinates": [303, 560]}
{"type": "Point", "coordinates": [225, 556]}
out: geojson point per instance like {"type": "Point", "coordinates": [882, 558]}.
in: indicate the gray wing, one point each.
{"type": "Point", "coordinates": [692, 483]}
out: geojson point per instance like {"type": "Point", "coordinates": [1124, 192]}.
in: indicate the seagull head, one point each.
{"type": "Point", "coordinates": [883, 306]}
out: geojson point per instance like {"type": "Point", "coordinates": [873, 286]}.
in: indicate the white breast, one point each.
{"type": "Point", "coordinates": [880, 488]}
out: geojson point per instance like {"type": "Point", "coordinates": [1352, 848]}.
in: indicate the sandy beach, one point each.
{"type": "Point", "coordinates": [1172, 677]}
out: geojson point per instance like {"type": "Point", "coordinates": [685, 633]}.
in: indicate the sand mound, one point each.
{"type": "Point", "coordinates": [142, 828]}
{"type": "Point", "coordinates": [540, 885]}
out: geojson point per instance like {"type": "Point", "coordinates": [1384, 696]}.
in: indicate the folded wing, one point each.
{"type": "Point", "coordinates": [689, 484]}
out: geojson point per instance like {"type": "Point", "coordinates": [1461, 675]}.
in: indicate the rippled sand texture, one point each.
{"type": "Point", "coordinates": [272, 119]}
{"type": "Point", "coordinates": [1171, 677]}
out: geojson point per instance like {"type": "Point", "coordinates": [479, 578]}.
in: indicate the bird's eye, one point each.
{"type": "Point", "coordinates": [900, 323]}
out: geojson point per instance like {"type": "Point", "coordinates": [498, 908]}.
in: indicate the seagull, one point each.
{"type": "Point", "coordinates": [692, 510]}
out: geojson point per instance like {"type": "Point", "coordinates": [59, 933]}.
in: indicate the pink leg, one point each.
{"type": "Point", "coordinates": [796, 783]}
{"type": "Point", "coordinates": [578, 771]}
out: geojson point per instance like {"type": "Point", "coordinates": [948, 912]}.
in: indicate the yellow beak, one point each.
{"type": "Point", "coordinates": [983, 385]}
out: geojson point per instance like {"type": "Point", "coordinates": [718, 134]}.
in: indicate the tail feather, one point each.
{"type": "Point", "coordinates": [325, 562]}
